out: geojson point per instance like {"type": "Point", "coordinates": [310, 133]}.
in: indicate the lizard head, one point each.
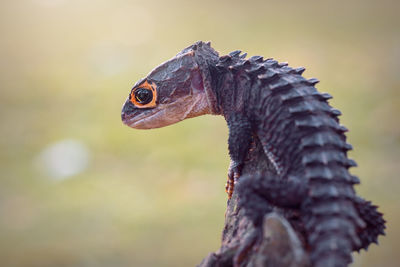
{"type": "Point", "coordinates": [179, 88]}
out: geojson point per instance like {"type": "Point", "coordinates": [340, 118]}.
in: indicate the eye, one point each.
{"type": "Point", "coordinates": [143, 96]}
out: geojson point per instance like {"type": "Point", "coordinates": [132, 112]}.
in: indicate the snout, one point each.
{"type": "Point", "coordinates": [123, 115]}
{"type": "Point", "coordinates": [127, 109]}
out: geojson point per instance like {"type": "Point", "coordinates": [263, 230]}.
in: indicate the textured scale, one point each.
{"type": "Point", "coordinates": [272, 103]}
{"type": "Point", "coordinates": [324, 139]}
{"type": "Point", "coordinates": [302, 137]}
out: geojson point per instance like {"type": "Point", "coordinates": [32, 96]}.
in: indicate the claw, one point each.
{"type": "Point", "coordinates": [229, 187]}
{"type": "Point", "coordinates": [233, 177]}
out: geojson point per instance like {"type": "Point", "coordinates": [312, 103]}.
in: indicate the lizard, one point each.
{"type": "Point", "coordinates": [272, 103]}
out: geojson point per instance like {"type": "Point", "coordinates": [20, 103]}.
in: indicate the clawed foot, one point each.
{"type": "Point", "coordinates": [233, 176]}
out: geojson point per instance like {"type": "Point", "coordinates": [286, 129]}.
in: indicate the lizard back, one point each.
{"type": "Point", "coordinates": [302, 138]}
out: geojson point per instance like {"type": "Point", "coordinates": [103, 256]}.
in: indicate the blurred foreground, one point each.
{"type": "Point", "coordinates": [78, 188]}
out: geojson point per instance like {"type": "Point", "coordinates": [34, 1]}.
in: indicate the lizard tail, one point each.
{"type": "Point", "coordinates": [338, 222]}
{"type": "Point", "coordinates": [374, 220]}
{"type": "Point", "coordinates": [332, 219]}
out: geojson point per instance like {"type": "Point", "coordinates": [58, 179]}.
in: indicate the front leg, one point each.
{"type": "Point", "coordinates": [240, 137]}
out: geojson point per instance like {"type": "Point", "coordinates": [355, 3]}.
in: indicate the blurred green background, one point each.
{"type": "Point", "coordinates": [78, 188]}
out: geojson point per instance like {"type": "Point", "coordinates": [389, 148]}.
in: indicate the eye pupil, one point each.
{"type": "Point", "coordinates": [143, 96]}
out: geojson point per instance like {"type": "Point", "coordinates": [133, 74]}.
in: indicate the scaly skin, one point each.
{"type": "Point", "coordinates": [299, 131]}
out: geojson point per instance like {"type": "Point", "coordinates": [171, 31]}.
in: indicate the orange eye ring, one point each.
{"type": "Point", "coordinates": [145, 103]}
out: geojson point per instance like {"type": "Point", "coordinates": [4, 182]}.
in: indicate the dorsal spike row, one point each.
{"type": "Point", "coordinates": [313, 81]}
{"type": "Point", "coordinates": [355, 179]}
{"type": "Point", "coordinates": [321, 173]}
{"type": "Point", "coordinates": [318, 122]}
{"type": "Point", "coordinates": [242, 56]}
{"type": "Point", "coordinates": [255, 69]}
{"type": "Point", "coordinates": [287, 69]}
{"type": "Point", "coordinates": [235, 53]}
{"type": "Point", "coordinates": [271, 62]}
{"type": "Point", "coordinates": [309, 107]}
{"type": "Point", "coordinates": [225, 59]}
{"type": "Point", "coordinates": [256, 59]}
{"type": "Point", "coordinates": [352, 163]}
{"type": "Point", "coordinates": [269, 75]}
{"type": "Point", "coordinates": [283, 64]}
{"type": "Point", "coordinates": [332, 191]}
{"type": "Point", "coordinates": [300, 92]}
{"type": "Point", "coordinates": [332, 225]}
{"type": "Point", "coordinates": [326, 96]}
{"type": "Point", "coordinates": [328, 157]}
{"type": "Point", "coordinates": [350, 233]}
{"type": "Point", "coordinates": [347, 146]}
{"type": "Point", "coordinates": [343, 129]}
{"type": "Point", "coordinates": [335, 112]}
{"type": "Point", "coordinates": [289, 97]}
{"type": "Point", "coordinates": [341, 209]}
{"type": "Point", "coordinates": [208, 43]}
{"type": "Point", "coordinates": [320, 139]}
{"type": "Point", "coordinates": [298, 70]}
{"type": "Point", "coordinates": [281, 85]}
{"type": "Point", "coordinates": [293, 81]}
{"type": "Point", "coordinates": [242, 63]}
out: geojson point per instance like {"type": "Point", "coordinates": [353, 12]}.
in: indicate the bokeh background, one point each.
{"type": "Point", "coordinates": [78, 188]}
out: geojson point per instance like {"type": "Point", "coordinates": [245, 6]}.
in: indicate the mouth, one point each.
{"type": "Point", "coordinates": [133, 120]}
{"type": "Point", "coordinates": [146, 120]}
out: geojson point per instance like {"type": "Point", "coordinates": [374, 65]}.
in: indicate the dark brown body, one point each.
{"type": "Point", "coordinates": [272, 105]}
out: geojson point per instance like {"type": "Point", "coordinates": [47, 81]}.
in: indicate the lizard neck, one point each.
{"type": "Point", "coordinates": [230, 86]}
{"type": "Point", "coordinates": [210, 92]}
{"type": "Point", "coordinates": [206, 62]}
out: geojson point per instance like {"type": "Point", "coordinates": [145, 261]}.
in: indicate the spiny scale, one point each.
{"type": "Point", "coordinates": [302, 137]}
{"type": "Point", "coordinates": [301, 145]}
